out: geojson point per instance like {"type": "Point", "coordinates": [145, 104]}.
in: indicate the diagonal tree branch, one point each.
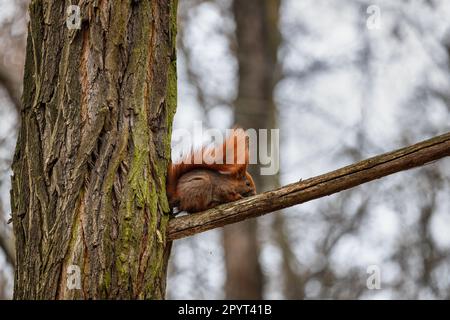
{"type": "Point", "coordinates": [342, 179]}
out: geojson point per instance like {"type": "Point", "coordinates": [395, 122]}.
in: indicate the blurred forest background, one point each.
{"type": "Point", "coordinates": [340, 92]}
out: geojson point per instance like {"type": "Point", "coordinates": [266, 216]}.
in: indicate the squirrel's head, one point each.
{"type": "Point", "coordinates": [250, 188]}
{"type": "Point", "coordinates": [245, 184]}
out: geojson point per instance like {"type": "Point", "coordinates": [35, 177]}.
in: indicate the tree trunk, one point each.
{"type": "Point", "coordinates": [88, 186]}
{"type": "Point", "coordinates": [257, 43]}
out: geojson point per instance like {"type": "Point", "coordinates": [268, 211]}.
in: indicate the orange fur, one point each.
{"type": "Point", "coordinates": [200, 186]}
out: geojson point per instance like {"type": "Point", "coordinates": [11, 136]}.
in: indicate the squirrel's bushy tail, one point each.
{"type": "Point", "coordinates": [231, 157]}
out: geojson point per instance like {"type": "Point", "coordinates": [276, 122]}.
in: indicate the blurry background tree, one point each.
{"type": "Point", "coordinates": [339, 92]}
{"type": "Point", "coordinates": [256, 46]}
{"type": "Point", "coordinates": [13, 19]}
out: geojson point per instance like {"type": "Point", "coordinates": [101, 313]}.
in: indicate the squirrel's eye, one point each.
{"type": "Point", "coordinates": [248, 183]}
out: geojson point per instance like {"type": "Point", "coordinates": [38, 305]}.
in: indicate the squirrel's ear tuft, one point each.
{"type": "Point", "coordinates": [241, 171]}
{"type": "Point", "coordinates": [236, 152]}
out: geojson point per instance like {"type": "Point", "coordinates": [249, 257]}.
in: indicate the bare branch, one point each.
{"type": "Point", "coordinates": [342, 179]}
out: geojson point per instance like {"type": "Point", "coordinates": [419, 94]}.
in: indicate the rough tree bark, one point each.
{"type": "Point", "coordinates": [89, 171]}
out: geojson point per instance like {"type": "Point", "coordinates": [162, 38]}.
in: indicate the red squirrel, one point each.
{"type": "Point", "coordinates": [195, 187]}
